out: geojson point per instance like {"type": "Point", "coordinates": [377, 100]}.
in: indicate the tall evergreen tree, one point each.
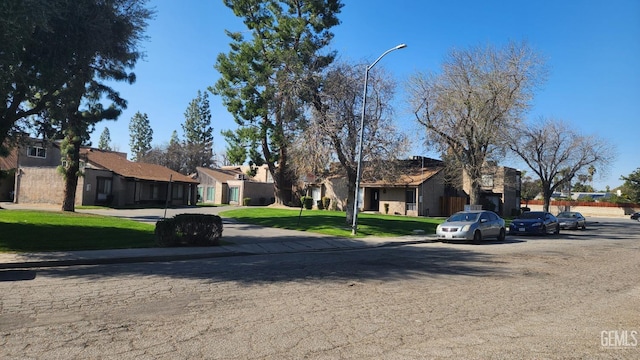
{"type": "Point", "coordinates": [175, 157]}
{"type": "Point", "coordinates": [140, 136]}
{"type": "Point", "coordinates": [34, 64]}
{"type": "Point", "coordinates": [267, 79]}
{"type": "Point", "coordinates": [105, 140]}
{"type": "Point", "coordinates": [198, 133]}
{"type": "Point", "coordinates": [99, 40]}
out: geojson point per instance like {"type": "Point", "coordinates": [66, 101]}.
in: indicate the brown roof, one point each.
{"type": "Point", "coordinates": [9, 162]}
{"type": "Point", "coordinates": [222, 175]}
{"type": "Point", "coordinates": [414, 177]}
{"type": "Point", "coordinates": [119, 164]}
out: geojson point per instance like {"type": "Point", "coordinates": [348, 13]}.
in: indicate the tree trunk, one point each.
{"type": "Point", "coordinates": [71, 155]}
{"type": "Point", "coordinates": [547, 193]}
{"type": "Point", "coordinates": [474, 194]}
{"type": "Point", "coordinates": [350, 199]}
{"type": "Point", "coordinates": [70, 185]}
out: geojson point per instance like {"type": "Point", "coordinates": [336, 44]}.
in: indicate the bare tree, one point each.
{"type": "Point", "coordinates": [478, 93]}
{"type": "Point", "coordinates": [529, 188]}
{"type": "Point", "coordinates": [556, 153]}
{"type": "Point", "coordinates": [332, 133]}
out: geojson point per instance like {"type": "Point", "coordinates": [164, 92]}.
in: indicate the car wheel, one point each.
{"type": "Point", "coordinates": [584, 226]}
{"type": "Point", "coordinates": [557, 230]}
{"type": "Point", "coordinates": [477, 237]}
{"type": "Point", "coordinates": [502, 235]}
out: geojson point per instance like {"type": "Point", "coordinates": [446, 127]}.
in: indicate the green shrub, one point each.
{"type": "Point", "coordinates": [326, 202]}
{"type": "Point", "coordinates": [334, 206]}
{"type": "Point", "coordinates": [189, 230]}
{"type": "Point", "coordinates": [246, 201]}
{"type": "Point", "coordinates": [307, 202]}
{"type": "Point", "coordinates": [319, 205]}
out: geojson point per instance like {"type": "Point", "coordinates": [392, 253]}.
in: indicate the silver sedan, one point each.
{"type": "Point", "coordinates": [473, 225]}
{"type": "Point", "coordinates": [571, 220]}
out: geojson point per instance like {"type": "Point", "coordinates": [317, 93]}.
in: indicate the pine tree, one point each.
{"type": "Point", "coordinates": [175, 157]}
{"type": "Point", "coordinates": [105, 140]}
{"type": "Point", "coordinates": [141, 135]}
{"type": "Point", "coordinates": [267, 78]}
{"type": "Point", "coordinates": [198, 134]}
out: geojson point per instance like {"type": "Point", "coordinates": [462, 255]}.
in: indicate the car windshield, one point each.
{"type": "Point", "coordinates": [567, 215]}
{"type": "Point", "coordinates": [464, 217]}
{"type": "Point", "coordinates": [532, 215]}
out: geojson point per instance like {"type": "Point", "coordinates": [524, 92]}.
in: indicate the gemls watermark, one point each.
{"type": "Point", "coordinates": [619, 339]}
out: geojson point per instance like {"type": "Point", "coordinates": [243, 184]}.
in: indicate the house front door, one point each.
{"type": "Point", "coordinates": [374, 203]}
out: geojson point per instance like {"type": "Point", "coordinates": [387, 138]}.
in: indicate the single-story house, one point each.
{"type": "Point", "coordinates": [111, 179]}
{"type": "Point", "coordinates": [108, 178]}
{"type": "Point", "coordinates": [422, 190]}
{"type": "Point", "coordinates": [418, 191]}
{"type": "Point", "coordinates": [231, 184]}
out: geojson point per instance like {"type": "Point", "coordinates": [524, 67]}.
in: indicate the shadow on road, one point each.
{"type": "Point", "coordinates": [369, 264]}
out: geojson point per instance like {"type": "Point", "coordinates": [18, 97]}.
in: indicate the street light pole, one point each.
{"type": "Point", "coordinates": [354, 226]}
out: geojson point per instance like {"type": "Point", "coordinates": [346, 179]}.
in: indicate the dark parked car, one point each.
{"type": "Point", "coordinates": [635, 216]}
{"type": "Point", "coordinates": [571, 220]}
{"type": "Point", "coordinates": [474, 225]}
{"type": "Point", "coordinates": [535, 222]}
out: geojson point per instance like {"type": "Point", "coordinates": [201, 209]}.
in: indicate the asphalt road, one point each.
{"type": "Point", "coordinates": [575, 295]}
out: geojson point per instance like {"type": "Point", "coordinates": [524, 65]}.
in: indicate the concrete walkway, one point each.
{"type": "Point", "coordinates": [240, 240]}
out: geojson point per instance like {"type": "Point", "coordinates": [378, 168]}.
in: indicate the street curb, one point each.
{"type": "Point", "coordinates": [183, 257]}
{"type": "Point", "coordinates": [116, 260]}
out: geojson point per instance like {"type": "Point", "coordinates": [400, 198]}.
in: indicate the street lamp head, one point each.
{"type": "Point", "coordinates": [401, 46]}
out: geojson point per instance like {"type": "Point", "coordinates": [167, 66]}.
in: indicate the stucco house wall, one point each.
{"type": "Point", "coordinates": [336, 189]}
{"type": "Point", "coordinates": [43, 185]}
{"type": "Point", "coordinates": [395, 198]}
{"type": "Point", "coordinates": [259, 192]}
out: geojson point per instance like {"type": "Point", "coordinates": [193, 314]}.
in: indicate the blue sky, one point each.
{"type": "Point", "coordinates": [592, 50]}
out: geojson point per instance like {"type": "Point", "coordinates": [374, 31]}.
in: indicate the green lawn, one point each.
{"type": "Point", "coordinates": [333, 222]}
{"type": "Point", "coordinates": [30, 231]}
{"type": "Point", "coordinates": [33, 231]}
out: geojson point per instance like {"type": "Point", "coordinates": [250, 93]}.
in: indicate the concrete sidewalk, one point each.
{"type": "Point", "coordinates": [120, 256]}
{"type": "Point", "coordinates": [240, 240]}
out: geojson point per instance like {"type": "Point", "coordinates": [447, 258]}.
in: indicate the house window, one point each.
{"type": "Point", "coordinates": [234, 194]}
{"type": "Point", "coordinates": [177, 191]}
{"type": "Point", "coordinates": [104, 189]}
{"type": "Point", "coordinates": [410, 199]}
{"type": "Point", "coordinates": [210, 196]}
{"type": "Point", "coordinates": [200, 190]}
{"type": "Point", "coordinates": [37, 151]}
{"type": "Point", "coordinates": [155, 192]}
{"type": "Point", "coordinates": [487, 181]}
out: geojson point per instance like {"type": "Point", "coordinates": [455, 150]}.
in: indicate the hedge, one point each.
{"type": "Point", "coordinates": [189, 230]}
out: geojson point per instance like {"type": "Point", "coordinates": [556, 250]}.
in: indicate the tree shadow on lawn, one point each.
{"type": "Point", "coordinates": [70, 237]}
{"type": "Point", "coordinates": [366, 225]}
{"type": "Point", "coordinates": [383, 263]}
